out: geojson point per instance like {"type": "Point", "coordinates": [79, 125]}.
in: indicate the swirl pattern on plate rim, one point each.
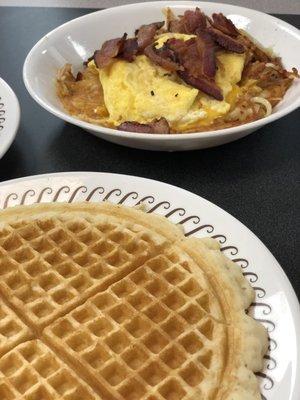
{"type": "Point", "coordinates": [191, 225]}
{"type": "Point", "coordinates": [2, 114]}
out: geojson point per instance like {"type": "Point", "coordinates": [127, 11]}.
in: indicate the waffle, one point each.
{"type": "Point", "coordinates": [12, 330]}
{"type": "Point", "coordinates": [51, 263]}
{"type": "Point", "coordinates": [31, 371]}
{"type": "Point", "coordinates": [156, 316]}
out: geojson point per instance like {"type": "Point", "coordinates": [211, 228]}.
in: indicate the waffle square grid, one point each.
{"type": "Point", "coordinates": [91, 312]}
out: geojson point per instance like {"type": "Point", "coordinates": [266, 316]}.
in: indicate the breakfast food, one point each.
{"type": "Point", "coordinates": [192, 73]}
{"type": "Point", "coordinates": [115, 303]}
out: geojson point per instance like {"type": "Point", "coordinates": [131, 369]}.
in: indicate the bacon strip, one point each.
{"type": "Point", "coordinates": [157, 126]}
{"type": "Point", "coordinates": [197, 55]}
{"type": "Point", "coordinates": [163, 57]}
{"type": "Point", "coordinates": [223, 24]}
{"type": "Point", "coordinates": [189, 22]}
{"type": "Point", "coordinates": [206, 47]}
{"type": "Point", "coordinates": [109, 50]}
{"type": "Point", "coordinates": [187, 54]}
{"type": "Point", "coordinates": [226, 41]}
{"type": "Point", "coordinates": [201, 83]}
{"type": "Point", "coordinates": [79, 76]}
{"type": "Point", "coordinates": [129, 50]}
{"type": "Point", "coordinates": [145, 34]}
{"type": "Point", "coordinates": [193, 20]}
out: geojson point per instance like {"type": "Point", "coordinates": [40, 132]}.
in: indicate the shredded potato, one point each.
{"type": "Point", "coordinates": [265, 103]}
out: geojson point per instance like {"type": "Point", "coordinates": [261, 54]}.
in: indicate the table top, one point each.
{"type": "Point", "coordinates": [254, 179]}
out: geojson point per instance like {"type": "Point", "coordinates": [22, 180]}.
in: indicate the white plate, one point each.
{"type": "Point", "coordinates": [76, 40]}
{"type": "Point", "coordinates": [276, 305]}
{"type": "Point", "coordinates": [9, 116]}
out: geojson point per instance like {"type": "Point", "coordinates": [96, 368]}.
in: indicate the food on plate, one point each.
{"type": "Point", "coordinates": [115, 303]}
{"type": "Point", "coordinates": [32, 371]}
{"type": "Point", "coordinates": [192, 73]}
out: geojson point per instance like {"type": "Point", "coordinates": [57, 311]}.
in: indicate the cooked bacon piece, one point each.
{"type": "Point", "coordinates": [160, 125]}
{"type": "Point", "coordinates": [223, 24]}
{"type": "Point", "coordinates": [187, 54]}
{"type": "Point", "coordinates": [109, 50]}
{"type": "Point", "coordinates": [176, 26]}
{"type": "Point", "coordinates": [163, 57]}
{"type": "Point", "coordinates": [197, 58]}
{"type": "Point", "coordinates": [197, 55]}
{"type": "Point", "coordinates": [207, 86]}
{"type": "Point", "coordinates": [145, 34]}
{"type": "Point", "coordinates": [226, 41]}
{"type": "Point", "coordinates": [129, 50]}
{"type": "Point", "coordinates": [79, 76]}
{"type": "Point", "coordinates": [189, 22]}
{"type": "Point", "coordinates": [157, 126]}
{"type": "Point", "coordinates": [206, 47]}
{"type": "Point", "coordinates": [193, 20]}
{"type": "Point", "coordinates": [85, 63]}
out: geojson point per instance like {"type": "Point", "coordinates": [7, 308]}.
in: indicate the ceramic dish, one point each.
{"type": "Point", "coordinates": [276, 305]}
{"type": "Point", "coordinates": [9, 116]}
{"type": "Point", "coordinates": [76, 40]}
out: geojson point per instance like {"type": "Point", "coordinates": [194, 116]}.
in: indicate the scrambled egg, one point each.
{"type": "Point", "coordinates": [142, 91]}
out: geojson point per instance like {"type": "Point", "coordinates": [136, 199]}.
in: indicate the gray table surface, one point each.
{"type": "Point", "coordinates": [256, 179]}
{"type": "Point", "coordinates": [270, 6]}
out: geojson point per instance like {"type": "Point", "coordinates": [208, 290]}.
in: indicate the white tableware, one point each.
{"type": "Point", "coordinates": [9, 116]}
{"type": "Point", "coordinates": [76, 40]}
{"type": "Point", "coordinates": [276, 305]}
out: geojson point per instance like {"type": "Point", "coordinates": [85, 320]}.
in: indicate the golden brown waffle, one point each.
{"type": "Point", "coordinates": [131, 306]}
{"type": "Point", "coordinates": [31, 371]}
{"type": "Point", "coordinates": [49, 264]}
{"type": "Point", "coordinates": [12, 330]}
{"type": "Point", "coordinates": [151, 333]}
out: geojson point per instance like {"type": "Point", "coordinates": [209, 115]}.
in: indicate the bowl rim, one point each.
{"type": "Point", "coordinates": [168, 137]}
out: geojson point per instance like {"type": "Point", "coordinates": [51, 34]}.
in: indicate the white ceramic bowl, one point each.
{"type": "Point", "coordinates": [76, 40]}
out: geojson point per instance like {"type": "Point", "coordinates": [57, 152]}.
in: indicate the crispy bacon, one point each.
{"type": "Point", "coordinates": [163, 57]}
{"type": "Point", "coordinates": [194, 20]}
{"type": "Point", "coordinates": [197, 55]}
{"type": "Point", "coordinates": [207, 86]}
{"type": "Point", "coordinates": [85, 63]}
{"type": "Point", "coordinates": [189, 22]}
{"type": "Point", "coordinates": [187, 54]}
{"type": "Point", "coordinates": [206, 47]}
{"type": "Point", "coordinates": [109, 50]}
{"type": "Point", "coordinates": [145, 34]}
{"type": "Point", "coordinates": [223, 24]}
{"type": "Point", "coordinates": [79, 76]}
{"type": "Point", "coordinates": [197, 58]}
{"type": "Point", "coordinates": [157, 126]}
{"type": "Point", "coordinates": [226, 41]}
{"type": "Point", "coordinates": [176, 26]}
{"type": "Point", "coordinates": [130, 50]}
